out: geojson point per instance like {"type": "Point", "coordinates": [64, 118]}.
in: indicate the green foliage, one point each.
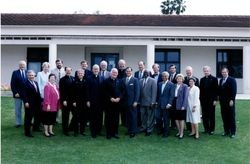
{"type": "Point", "coordinates": [170, 7]}
{"type": "Point", "coordinates": [16, 148]}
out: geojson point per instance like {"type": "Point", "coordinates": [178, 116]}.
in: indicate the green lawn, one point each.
{"type": "Point", "coordinates": [61, 149]}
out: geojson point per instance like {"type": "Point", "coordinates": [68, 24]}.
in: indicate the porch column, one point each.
{"type": "Point", "coordinates": [52, 55]}
{"type": "Point", "coordinates": [150, 56]}
{"type": "Point", "coordinates": [246, 69]}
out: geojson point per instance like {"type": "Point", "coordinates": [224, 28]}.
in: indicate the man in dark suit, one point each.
{"type": "Point", "coordinates": [172, 78]}
{"type": "Point", "coordinates": [208, 98]}
{"type": "Point", "coordinates": [156, 75]}
{"type": "Point", "coordinates": [141, 68]}
{"type": "Point", "coordinates": [114, 92]}
{"type": "Point", "coordinates": [95, 102]}
{"type": "Point", "coordinates": [189, 74]}
{"type": "Point", "coordinates": [84, 66]}
{"type": "Point", "coordinates": [18, 79]}
{"type": "Point", "coordinates": [131, 100]}
{"type": "Point", "coordinates": [80, 96]}
{"type": "Point", "coordinates": [66, 88]}
{"type": "Point", "coordinates": [32, 102]}
{"type": "Point", "coordinates": [165, 97]}
{"type": "Point", "coordinates": [227, 94]}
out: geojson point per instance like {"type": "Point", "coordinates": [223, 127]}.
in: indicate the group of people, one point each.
{"type": "Point", "coordinates": [145, 100]}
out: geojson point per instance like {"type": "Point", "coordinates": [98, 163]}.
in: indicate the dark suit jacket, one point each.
{"type": "Point", "coordinates": [80, 91]}
{"type": "Point", "coordinates": [159, 77]}
{"type": "Point", "coordinates": [136, 75]}
{"type": "Point", "coordinates": [113, 89]}
{"type": "Point", "coordinates": [95, 87]}
{"type": "Point", "coordinates": [132, 93]}
{"type": "Point", "coordinates": [87, 73]}
{"type": "Point", "coordinates": [66, 88]}
{"type": "Point", "coordinates": [186, 81]}
{"type": "Point", "coordinates": [174, 80]}
{"type": "Point", "coordinates": [227, 91]}
{"type": "Point", "coordinates": [31, 95]}
{"type": "Point", "coordinates": [208, 89]}
{"type": "Point", "coordinates": [182, 97]}
{"type": "Point", "coordinates": [167, 96]}
{"type": "Point", "coordinates": [17, 83]}
{"type": "Point", "coordinates": [121, 74]}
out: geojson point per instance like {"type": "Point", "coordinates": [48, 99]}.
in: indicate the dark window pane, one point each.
{"type": "Point", "coordinates": [173, 56]}
{"type": "Point", "coordinates": [159, 56]}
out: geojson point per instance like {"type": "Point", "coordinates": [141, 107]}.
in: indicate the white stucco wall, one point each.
{"type": "Point", "coordinates": [10, 55]}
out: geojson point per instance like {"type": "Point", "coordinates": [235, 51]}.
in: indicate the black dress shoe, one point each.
{"type": "Point", "coordinates": [108, 137]}
{"type": "Point", "coordinates": [66, 134]}
{"type": "Point", "coordinates": [51, 134]}
{"type": "Point", "coordinates": [93, 136]}
{"type": "Point", "coordinates": [17, 126]}
{"type": "Point", "coordinates": [100, 134]}
{"type": "Point", "coordinates": [29, 135]}
{"type": "Point", "coordinates": [164, 136]}
{"type": "Point", "coordinates": [37, 130]}
{"type": "Point", "coordinates": [83, 134]}
{"type": "Point", "coordinates": [46, 135]}
{"type": "Point", "coordinates": [132, 135]}
{"type": "Point", "coordinates": [127, 133]}
{"type": "Point", "coordinates": [116, 136]}
{"type": "Point", "coordinates": [148, 134]}
{"type": "Point", "coordinates": [225, 134]}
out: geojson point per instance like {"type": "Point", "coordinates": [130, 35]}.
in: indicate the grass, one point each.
{"type": "Point", "coordinates": [61, 149]}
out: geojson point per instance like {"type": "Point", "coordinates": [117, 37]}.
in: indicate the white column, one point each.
{"type": "Point", "coordinates": [150, 56]}
{"type": "Point", "coordinates": [52, 55]}
{"type": "Point", "coordinates": [246, 69]}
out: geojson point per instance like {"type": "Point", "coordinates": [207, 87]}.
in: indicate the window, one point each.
{"type": "Point", "coordinates": [166, 57]}
{"type": "Point", "coordinates": [35, 58]}
{"type": "Point", "coordinates": [232, 59]}
{"type": "Point", "coordinates": [111, 58]}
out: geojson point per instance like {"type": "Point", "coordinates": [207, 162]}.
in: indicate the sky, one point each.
{"type": "Point", "coordinates": [194, 7]}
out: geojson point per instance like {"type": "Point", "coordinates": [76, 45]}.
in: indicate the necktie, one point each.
{"type": "Point", "coordinates": [127, 80]}
{"type": "Point", "coordinates": [140, 74]}
{"type": "Point", "coordinates": [23, 74]}
{"type": "Point", "coordinates": [223, 81]}
{"type": "Point", "coordinates": [162, 87]}
{"type": "Point", "coordinates": [102, 73]}
{"type": "Point", "coordinates": [171, 77]}
{"type": "Point", "coordinates": [59, 74]}
{"type": "Point", "coordinates": [34, 85]}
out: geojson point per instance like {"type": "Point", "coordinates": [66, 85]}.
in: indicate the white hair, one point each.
{"type": "Point", "coordinates": [122, 61]}
{"type": "Point", "coordinates": [165, 73]}
{"type": "Point", "coordinates": [207, 67]}
{"type": "Point", "coordinates": [103, 63]}
{"type": "Point", "coordinates": [22, 62]}
{"type": "Point", "coordinates": [95, 66]}
{"type": "Point", "coordinates": [45, 64]}
{"type": "Point", "coordinates": [189, 68]}
{"type": "Point", "coordinates": [114, 69]}
{"type": "Point", "coordinates": [31, 72]}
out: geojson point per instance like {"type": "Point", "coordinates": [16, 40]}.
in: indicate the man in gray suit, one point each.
{"type": "Point", "coordinates": [165, 97]}
{"type": "Point", "coordinates": [148, 87]}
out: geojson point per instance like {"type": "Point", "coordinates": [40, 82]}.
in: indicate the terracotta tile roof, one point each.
{"type": "Point", "coordinates": [125, 20]}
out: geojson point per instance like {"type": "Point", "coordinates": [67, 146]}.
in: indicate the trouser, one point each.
{"type": "Point", "coordinates": [131, 123]}
{"type": "Point", "coordinates": [228, 118]}
{"type": "Point", "coordinates": [123, 114]}
{"type": "Point", "coordinates": [96, 120]}
{"type": "Point", "coordinates": [37, 117]}
{"type": "Point", "coordinates": [29, 114]}
{"type": "Point", "coordinates": [139, 123]}
{"type": "Point", "coordinates": [65, 118]}
{"type": "Point", "coordinates": [147, 118]}
{"type": "Point", "coordinates": [162, 120]}
{"type": "Point", "coordinates": [18, 111]}
{"type": "Point", "coordinates": [208, 116]}
{"type": "Point", "coordinates": [112, 119]}
{"type": "Point", "coordinates": [172, 119]}
{"type": "Point", "coordinates": [80, 117]}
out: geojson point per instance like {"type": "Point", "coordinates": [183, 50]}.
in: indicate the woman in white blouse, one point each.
{"type": "Point", "coordinates": [193, 109]}
{"type": "Point", "coordinates": [42, 78]}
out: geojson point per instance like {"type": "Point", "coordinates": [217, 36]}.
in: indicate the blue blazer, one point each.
{"type": "Point", "coordinates": [182, 97]}
{"type": "Point", "coordinates": [132, 93]}
{"type": "Point", "coordinates": [167, 96]}
{"type": "Point", "coordinates": [159, 78]}
{"type": "Point", "coordinates": [17, 83]}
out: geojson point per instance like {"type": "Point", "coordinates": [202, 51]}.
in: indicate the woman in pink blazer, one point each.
{"type": "Point", "coordinates": [50, 105]}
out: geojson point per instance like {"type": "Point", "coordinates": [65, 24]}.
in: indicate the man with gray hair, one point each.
{"type": "Point", "coordinates": [104, 73]}
{"type": "Point", "coordinates": [18, 79]}
{"type": "Point", "coordinates": [189, 74]}
{"type": "Point", "coordinates": [32, 103]}
{"type": "Point", "coordinates": [114, 92]}
{"type": "Point", "coordinates": [165, 97]}
{"type": "Point", "coordinates": [208, 98]}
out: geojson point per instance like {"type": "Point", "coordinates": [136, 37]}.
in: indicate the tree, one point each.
{"type": "Point", "coordinates": [170, 7]}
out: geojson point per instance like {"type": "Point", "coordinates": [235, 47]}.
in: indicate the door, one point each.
{"type": "Point", "coordinates": [36, 57]}
{"type": "Point", "coordinates": [110, 58]}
